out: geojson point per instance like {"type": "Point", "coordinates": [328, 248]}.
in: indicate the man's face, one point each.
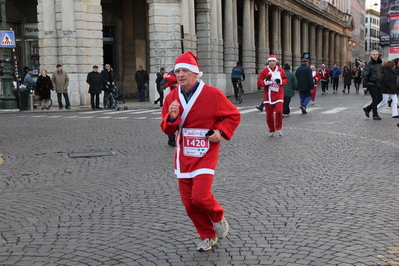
{"type": "Point", "coordinates": [107, 67]}
{"type": "Point", "coordinates": [375, 55]}
{"type": "Point", "coordinates": [59, 68]}
{"type": "Point", "coordinates": [163, 71]}
{"type": "Point", "coordinates": [323, 66]}
{"type": "Point", "coordinates": [272, 63]}
{"type": "Point", "coordinates": [140, 68]}
{"type": "Point", "coordinates": [185, 78]}
{"type": "Point", "coordinates": [95, 69]}
{"type": "Point", "coordinates": [335, 66]}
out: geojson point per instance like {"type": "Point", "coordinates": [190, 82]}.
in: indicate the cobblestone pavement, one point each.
{"type": "Point", "coordinates": [326, 193]}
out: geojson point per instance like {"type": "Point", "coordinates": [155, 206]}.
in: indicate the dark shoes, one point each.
{"type": "Point", "coordinates": [366, 112]}
{"type": "Point", "coordinates": [68, 107]}
{"type": "Point", "coordinates": [171, 143]}
{"type": "Point", "coordinates": [303, 108]}
{"type": "Point", "coordinates": [99, 108]}
{"type": "Point", "coordinates": [259, 108]}
{"type": "Point", "coordinates": [376, 117]}
{"type": "Point", "coordinates": [395, 116]}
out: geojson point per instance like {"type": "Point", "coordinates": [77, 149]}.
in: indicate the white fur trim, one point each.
{"type": "Point", "coordinates": [190, 67]}
{"type": "Point", "coordinates": [271, 58]}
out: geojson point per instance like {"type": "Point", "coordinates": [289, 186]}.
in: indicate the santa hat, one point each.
{"type": "Point", "coordinates": [188, 60]}
{"type": "Point", "coordinates": [323, 64]}
{"type": "Point", "coordinates": [312, 66]}
{"type": "Point", "coordinates": [272, 57]}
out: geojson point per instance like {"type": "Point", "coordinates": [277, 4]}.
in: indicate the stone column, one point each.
{"type": "Point", "coordinates": [331, 50]}
{"type": "Point", "coordinates": [319, 46]}
{"type": "Point", "coordinates": [203, 8]}
{"type": "Point", "coordinates": [235, 24]}
{"type": "Point", "coordinates": [48, 35]}
{"type": "Point", "coordinates": [214, 49]}
{"type": "Point", "coordinates": [346, 52]}
{"type": "Point", "coordinates": [305, 36]}
{"type": "Point", "coordinates": [312, 44]}
{"type": "Point", "coordinates": [248, 59]}
{"type": "Point", "coordinates": [193, 34]}
{"type": "Point", "coordinates": [296, 42]}
{"type": "Point", "coordinates": [262, 52]}
{"type": "Point", "coordinates": [185, 22]}
{"type": "Point", "coordinates": [220, 36]}
{"type": "Point", "coordinates": [230, 56]}
{"type": "Point", "coordinates": [287, 41]}
{"type": "Point", "coordinates": [164, 38]}
{"type": "Point", "coordinates": [326, 49]}
{"type": "Point", "coordinates": [337, 51]}
{"type": "Point", "coordinates": [276, 32]}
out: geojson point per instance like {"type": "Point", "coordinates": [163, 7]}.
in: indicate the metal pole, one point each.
{"type": "Point", "coordinates": [7, 98]}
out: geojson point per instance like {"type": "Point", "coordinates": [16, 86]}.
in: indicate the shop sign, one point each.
{"type": "Point", "coordinates": [31, 30]}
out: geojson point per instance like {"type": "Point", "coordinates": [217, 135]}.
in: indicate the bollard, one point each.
{"type": "Point", "coordinates": [31, 101]}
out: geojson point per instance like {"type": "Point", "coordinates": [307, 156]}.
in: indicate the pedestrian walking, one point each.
{"type": "Point", "coordinates": [201, 115]}
{"type": "Point", "coordinates": [305, 84]}
{"type": "Point", "coordinates": [142, 79]}
{"type": "Point", "coordinates": [289, 90]}
{"type": "Point", "coordinates": [316, 79]}
{"type": "Point", "coordinates": [44, 86]}
{"type": "Point", "coordinates": [335, 73]}
{"type": "Point", "coordinates": [272, 78]}
{"type": "Point", "coordinates": [357, 77]}
{"type": "Point", "coordinates": [389, 89]}
{"type": "Point", "coordinates": [372, 79]}
{"type": "Point", "coordinates": [95, 81]}
{"type": "Point", "coordinates": [60, 81]}
{"type": "Point", "coordinates": [28, 83]}
{"type": "Point", "coordinates": [324, 74]}
{"type": "Point", "coordinates": [158, 80]}
{"type": "Point", "coordinates": [109, 78]}
{"type": "Point", "coordinates": [347, 74]}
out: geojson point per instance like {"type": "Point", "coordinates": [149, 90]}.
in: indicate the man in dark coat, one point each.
{"type": "Point", "coordinates": [160, 88]}
{"type": "Point", "coordinates": [304, 77]}
{"type": "Point", "coordinates": [94, 80]}
{"type": "Point", "coordinates": [372, 80]}
{"type": "Point", "coordinates": [109, 78]}
{"type": "Point", "coordinates": [142, 79]}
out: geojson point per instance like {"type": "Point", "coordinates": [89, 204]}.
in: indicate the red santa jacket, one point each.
{"type": "Point", "coordinates": [316, 77]}
{"type": "Point", "coordinates": [170, 81]}
{"type": "Point", "coordinates": [274, 92]}
{"type": "Point", "coordinates": [324, 74]}
{"type": "Point", "coordinates": [207, 109]}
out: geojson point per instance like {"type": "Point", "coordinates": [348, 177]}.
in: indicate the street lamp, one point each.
{"type": "Point", "coordinates": [7, 98]}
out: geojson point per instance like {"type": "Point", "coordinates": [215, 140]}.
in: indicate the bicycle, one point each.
{"type": "Point", "coordinates": [240, 91]}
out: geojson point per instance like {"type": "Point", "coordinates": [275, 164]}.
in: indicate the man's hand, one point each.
{"type": "Point", "coordinates": [174, 109]}
{"type": "Point", "coordinates": [216, 136]}
{"type": "Point", "coordinates": [108, 83]}
{"type": "Point", "coordinates": [365, 88]}
{"type": "Point", "coordinates": [278, 81]}
{"type": "Point", "coordinates": [162, 87]}
{"type": "Point", "coordinates": [268, 78]}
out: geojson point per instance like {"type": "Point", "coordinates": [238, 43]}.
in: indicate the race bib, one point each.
{"type": "Point", "coordinates": [195, 144]}
{"type": "Point", "coordinates": [274, 87]}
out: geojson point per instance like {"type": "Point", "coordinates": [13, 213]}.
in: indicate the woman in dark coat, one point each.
{"type": "Point", "coordinates": [347, 74]}
{"type": "Point", "coordinates": [389, 89]}
{"type": "Point", "coordinates": [95, 82]}
{"type": "Point", "coordinates": [43, 89]}
{"type": "Point", "coordinates": [357, 74]}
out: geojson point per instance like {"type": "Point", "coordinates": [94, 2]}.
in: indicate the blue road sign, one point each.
{"type": "Point", "coordinates": [7, 39]}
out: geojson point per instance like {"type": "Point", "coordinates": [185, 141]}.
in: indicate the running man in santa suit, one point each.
{"type": "Point", "coordinates": [324, 74]}
{"type": "Point", "coordinates": [272, 78]}
{"type": "Point", "coordinates": [201, 115]}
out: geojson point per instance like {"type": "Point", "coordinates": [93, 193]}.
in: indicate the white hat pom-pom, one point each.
{"type": "Point", "coordinates": [200, 74]}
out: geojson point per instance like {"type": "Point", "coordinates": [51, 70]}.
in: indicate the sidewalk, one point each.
{"type": "Point", "coordinates": [130, 103]}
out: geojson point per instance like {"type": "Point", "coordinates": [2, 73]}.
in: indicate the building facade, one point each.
{"type": "Point", "coordinates": [372, 32]}
{"type": "Point", "coordinates": [152, 33]}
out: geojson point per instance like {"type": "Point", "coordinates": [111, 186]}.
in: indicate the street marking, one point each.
{"type": "Point", "coordinates": [38, 116]}
{"type": "Point", "coordinates": [104, 117]}
{"type": "Point", "coordinates": [93, 112]}
{"type": "Point", "coordinates": [140, 118]}
{"type": "Point", "coordinates": [142, 112]}
{"type": "Point", "coordinates": [1, 158]}
{"type": "Point", "coordinates": [122, 117]}
{"type": "Point", "coordinates": [156, 118]}
{"type": "Point", "coordinates": [71, 116]}
{"type": "Point", "coordinates": [249, 111]}
{"type": "Point", "coordinates": [310, 109]}
{"type": "Point", "coordinates": [334, 110]}
{"type": "Point", "coordinates": [54, 116]}
{"type": "Point", "coordinates": [85, 117]}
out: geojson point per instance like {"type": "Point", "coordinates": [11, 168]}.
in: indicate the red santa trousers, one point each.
{"type": "Point", "coordinates": [314, 92]}
{"type": "Point", "coordinates": [274, 122]}
{"type": "Point", "coordinates": [201, 206]}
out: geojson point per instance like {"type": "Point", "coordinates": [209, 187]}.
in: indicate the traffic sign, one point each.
{"type": "Point", "coordinates": [7, 39]}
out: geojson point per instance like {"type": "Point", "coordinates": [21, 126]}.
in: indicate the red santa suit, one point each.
{"type": "Point", "coordinates": [196, 157]}
{"type": "Point", "coordinates": [324, 74]}
{"type": "Point", "coordinates": [170, 81]}
{"type": "Point", "coordinates": [316, 78]}
{"type": "Point", "coordinates": [273, 98]}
